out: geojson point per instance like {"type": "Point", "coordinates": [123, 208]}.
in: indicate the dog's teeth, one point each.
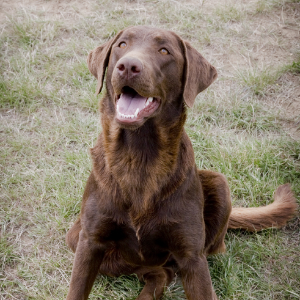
{"type": "Point", "coordinates": [136, 112]}
{"type": "Point", "coordinates": [149, 100]}
{"type": "Point", "coordinates": [117, 107]}
{"type": "Point", "coordinates": [128, 116]}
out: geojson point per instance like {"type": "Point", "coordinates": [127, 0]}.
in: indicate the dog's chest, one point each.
{"type": "Point", "coordinates": [141, 237]}
{"type": "Point", "coordinates": [144, 243]}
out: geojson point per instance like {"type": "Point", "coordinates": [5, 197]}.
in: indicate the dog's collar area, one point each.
{"type": "Point", "coordinates": [131, 107]}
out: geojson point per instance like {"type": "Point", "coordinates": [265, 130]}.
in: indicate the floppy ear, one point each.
{"type": "Point", "coordinates": [98, 59]}
{"type": "Point", "coordinates": [199, 74]}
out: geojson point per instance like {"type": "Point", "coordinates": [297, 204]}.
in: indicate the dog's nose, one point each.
{"type": "Point", "coordinates": [129, 67]}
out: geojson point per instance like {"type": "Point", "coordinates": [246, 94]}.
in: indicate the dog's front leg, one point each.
{"type": "Point", "coordinates": [196, 279]}
{"type": "Point", "coordinates": [88, 257]}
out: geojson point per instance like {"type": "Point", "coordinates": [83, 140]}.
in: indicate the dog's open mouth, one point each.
{"type": "Point", "coordinates": [132, 107]}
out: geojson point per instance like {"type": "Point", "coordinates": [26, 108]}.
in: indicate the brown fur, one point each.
{"type": "Point", "coordinates": [146, 208]}
{"type": "Point", "coordinates": [273, 215]}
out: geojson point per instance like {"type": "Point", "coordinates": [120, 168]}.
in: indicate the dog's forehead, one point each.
{"type": "Point", "coordinates": [144, 33]}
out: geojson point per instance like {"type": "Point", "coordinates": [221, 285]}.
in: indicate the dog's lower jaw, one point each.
{"type": "Point", "coordinates": [133, 121]}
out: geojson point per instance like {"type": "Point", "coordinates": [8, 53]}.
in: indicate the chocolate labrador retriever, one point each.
{"type": "Point", "coordinates": [146, 208]}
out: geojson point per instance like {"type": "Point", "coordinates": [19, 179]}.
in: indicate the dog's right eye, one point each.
{"type": "Point", "coordinates": [123, 45]}
{"type": "Point", "coordinates": [164, 51]}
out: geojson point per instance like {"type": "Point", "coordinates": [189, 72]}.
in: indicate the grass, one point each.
{"type": "Point", "coordinates": [258, 80]}
{"type": "Point", "coordinates": [294, 67]}
{"type": "Point", "coordinates": [49, 121]}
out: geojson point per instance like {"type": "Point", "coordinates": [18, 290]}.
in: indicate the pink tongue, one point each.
{"type": "Point", "coordinates": [129, 102]}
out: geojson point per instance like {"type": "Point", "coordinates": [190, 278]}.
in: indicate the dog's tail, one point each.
{"type": "Point", "coordinates": [274, 215]}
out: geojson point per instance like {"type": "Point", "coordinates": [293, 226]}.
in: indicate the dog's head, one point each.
{"type": "Point", "coordinates": [147, 68]}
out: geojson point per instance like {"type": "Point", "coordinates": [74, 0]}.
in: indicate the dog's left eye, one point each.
{"type": "Point", "coordinates": [123, 45]}
{"type": "Point", "coordinates": [164, 51]}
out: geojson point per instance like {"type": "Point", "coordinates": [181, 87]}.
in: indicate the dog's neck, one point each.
{"type": "Point", "coordinates": [144, 160]}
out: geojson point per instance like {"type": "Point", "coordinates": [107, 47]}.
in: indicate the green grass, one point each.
{"type": "Point", "coordinates": [229, 13]}
{"type": "Point", "coordinates": [294, 67]}
{"type": "Point", "coordinates": [267, 5]}
{"type": "Point", "coordinates": [49, 120]}
{"type": "Point", "coordinates": [258, 81]}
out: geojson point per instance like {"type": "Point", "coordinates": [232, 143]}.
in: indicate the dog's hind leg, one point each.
{"type": "Point", "coordinates": [72, 236]}
{"type": "Point", "coordinates": [156, 280]}
{"type": "Point", "coordinates": [217, 208]}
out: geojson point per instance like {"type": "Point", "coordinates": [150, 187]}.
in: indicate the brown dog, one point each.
{"type": "Point", "coordinates": [146, 208]}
